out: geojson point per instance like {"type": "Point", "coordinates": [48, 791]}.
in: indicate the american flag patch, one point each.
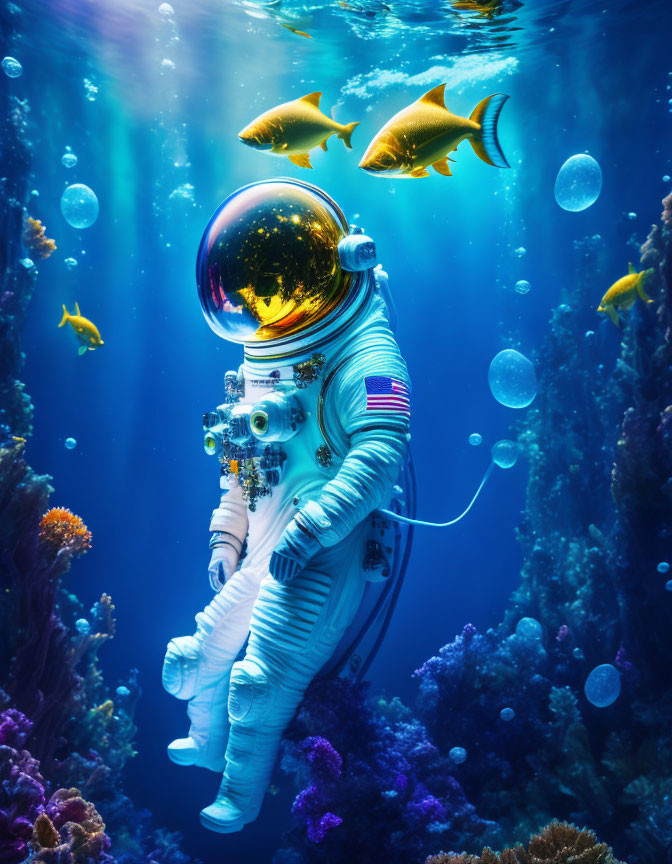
{"type": "Point", "coordinates": [387, 394]}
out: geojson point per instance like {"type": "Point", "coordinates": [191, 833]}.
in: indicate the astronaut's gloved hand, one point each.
{"type": "Point", "coordinates": [295, 548]}
{"type": "Point", "coordinates": [224, 559]}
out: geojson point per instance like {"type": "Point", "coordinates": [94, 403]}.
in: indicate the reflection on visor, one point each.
{"type": "Point", "coordinates": [268, 265]}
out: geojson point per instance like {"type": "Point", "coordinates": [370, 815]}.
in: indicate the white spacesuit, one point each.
{"type": "Point", "coordinates": [311, 438]}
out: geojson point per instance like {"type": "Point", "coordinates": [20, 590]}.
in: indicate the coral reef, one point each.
{"type": "Point", "coordinates": [558, 843]}
{"type": "Point", "coordinates": [533, 748]}
{"type": "Point", "coordinates": [64, 736]}
{"type": "Point", "coordinates": [373, 784]}
{"type": "Point", "coordinates": [35, 239]}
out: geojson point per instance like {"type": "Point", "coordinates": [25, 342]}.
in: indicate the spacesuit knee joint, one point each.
{"type": "Point", "coordinates": [249, 694]}
{"type": "Point", "coordinates": [180, 667]}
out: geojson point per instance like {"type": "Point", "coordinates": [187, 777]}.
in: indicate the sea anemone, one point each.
{"type": "Point", "coordinates": [35, 239]}
{"type": "Point", "coordinates": [63, 530]}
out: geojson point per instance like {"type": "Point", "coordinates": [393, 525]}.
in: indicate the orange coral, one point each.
{"type": "Point", "coordinates": [35, 238]}
{"type": "Point", "coordinates": [62, 529]}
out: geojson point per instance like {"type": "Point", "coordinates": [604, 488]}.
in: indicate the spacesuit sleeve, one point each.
{"type": "Point", "coordinates": [231, 515]}
{"type": "Point", "coordinates": [372, 400]}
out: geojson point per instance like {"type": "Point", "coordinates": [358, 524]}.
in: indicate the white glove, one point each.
{"type": "Point", "coordinates": [223, 564]}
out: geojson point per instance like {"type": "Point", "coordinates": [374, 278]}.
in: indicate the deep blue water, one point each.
{"type": "Point", "coordinates": [581, 76]}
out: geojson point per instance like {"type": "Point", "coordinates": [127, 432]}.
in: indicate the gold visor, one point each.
{"type": "Point", "coordinates": [268, 265]}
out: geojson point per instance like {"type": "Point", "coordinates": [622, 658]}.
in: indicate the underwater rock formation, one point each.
{"type": "Point", "coordinates": [558, 843]}
{"type": "Point", "coordinates": [595, 526]}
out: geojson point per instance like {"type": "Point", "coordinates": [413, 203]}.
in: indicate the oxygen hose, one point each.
{"type": "Point", "coordinates": [396, 517]}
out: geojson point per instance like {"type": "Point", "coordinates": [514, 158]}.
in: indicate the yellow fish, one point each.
{"type": "Point", "coordinates": [484, 8]}
{"type": "Point", "coordinates": [294, 30]}
{"type": "Point", "coordinates": [294, 128]}
{"type": "Point", "coordinates": [425, 132]}
{"type": "Point", "coordinates": [624, 293]}
{"type": "Point", "coordinates": [86, 331]}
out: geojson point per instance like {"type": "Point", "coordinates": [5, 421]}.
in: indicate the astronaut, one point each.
{"type": "Point", "coordinates": [310, 438]}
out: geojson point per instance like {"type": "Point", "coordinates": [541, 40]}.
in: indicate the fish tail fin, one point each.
{"type": "Point", "coordinates": [640, 290]}
{"type": "Point", "coordinates": [65, 317]}
{"type": "Point", "coordinates": [346, 132]}
{"type": "Point", "coordinates": [484, 141]}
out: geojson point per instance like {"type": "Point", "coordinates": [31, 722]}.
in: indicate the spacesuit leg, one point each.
{"type": "Point", "coordinates": [198, 668]}
{"type": "Point", "coordinates": [296, 626]}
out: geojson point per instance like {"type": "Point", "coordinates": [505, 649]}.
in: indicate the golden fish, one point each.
{"type": "Point", "coordinates": [425, 132]}
{"type": "Point", "coordinates": [484, 8]}
{"type": "Point", "coordinates": [294, 30]}
{"type": "Point", "coordinates": [294, 128]}
{"type": "Point", "coordinates": [86, 331]}
{"type": "Point", "coordinates": [624, 292]}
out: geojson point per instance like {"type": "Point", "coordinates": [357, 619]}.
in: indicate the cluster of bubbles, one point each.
{"type": "Point", "coordinates": [70, 263]}
{"type": "Point", "coordinates": [90, 90]}
{"type": "Point", "coordinates": [512, 379]}
{"type": "Point", "coordinates": [28, 263]}
{"type": "Point", "coordinates": [166, 10]}
{"type": "Point", "coordinates": [579, 183]}
{"type": "Point", "coordinates": [70, 443]}
{"type": "Point", "coordinates": [520, 251]}
{"type": "Point", "coordinates": [123, 692]}
{"type": "Point", "coordinates": [79, 206]}
{"type": "Point", "coordinates": [632, 216]}
{"type": "Point", "coordinates": [458, 755]}
{"type": "Point", "coordinates": [11, 67]}
{"type": "Point", "coordinates": [666, 178]}
{"type": "Point", "coordinates": [522, 286]}
{"type": "Point", "coordinates": [183, 194]}
{"type": "Point", "coordinates": [475, 439]}
{"type": "Point", "coordinates": [507, 714]}
{"type": "Point", "coordinates": [603, 685]}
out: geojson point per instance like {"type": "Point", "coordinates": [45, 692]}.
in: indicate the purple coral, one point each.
{"type": "Point", "coordinates": [321, 756]}
{"type": "Point", "coordinates": [14, 728]}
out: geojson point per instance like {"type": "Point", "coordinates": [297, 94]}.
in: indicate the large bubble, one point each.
{"type": "Point", "coordinates": [512, 379]}
{"type": "Point", "coordinates": [79, 205]}
{"type": "Point", "coordinates": [505, 453]}
{"type": "Point", "coordinates": [458, 755]}
{"type": "Point", "coordinates": [578, 183]}
{"type": "Point", "coordinates": [603, 685]}
{"type": "Point", "coordinates": [529, 628]}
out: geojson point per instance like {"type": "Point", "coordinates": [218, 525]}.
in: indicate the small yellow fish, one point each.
{"type": "Point", "coordinates": [425, 132]}
{"type": "Point", "coordinates": [484, 8]}
{"type": "Point", "coordinates": [624, 293]}
{"type": "Point", "coordinates": [86, 331]}
{"type": "Point", "coordinates": [294, 128]}
{"type": "Point", "coordinates": [294, 30]}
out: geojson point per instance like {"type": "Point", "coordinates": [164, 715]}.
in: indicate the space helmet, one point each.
{"type": "Point", "coordinates": [277, 259]}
